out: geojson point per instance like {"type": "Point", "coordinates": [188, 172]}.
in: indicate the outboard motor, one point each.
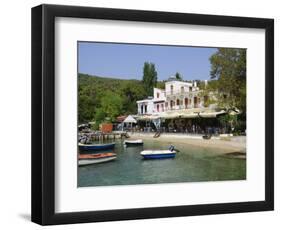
{"type": "Point", "coordinates": [171, 148]}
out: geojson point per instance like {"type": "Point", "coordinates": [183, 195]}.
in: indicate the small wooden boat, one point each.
{"type": "Point", "coordinates": [87, 159]}
{"type": "Point", "coordinates": [133, 142]}
{"type": "Point", "coordinates": [159, 154]}
{"type": "Point", "coordinates": [157, 134]}
{"type": "Point", "coordinates": [96, 146]}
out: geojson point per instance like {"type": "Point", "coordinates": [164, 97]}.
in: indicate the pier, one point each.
{"type": "Point", "coordinates": [101, 136]}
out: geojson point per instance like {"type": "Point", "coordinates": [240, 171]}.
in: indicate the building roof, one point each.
{"type": "Point", "coordinates": [121, 118]}
{"type": "Point", "coordinates": [145, 100]}
{"type": "Point", "coordinates": [130, 119]}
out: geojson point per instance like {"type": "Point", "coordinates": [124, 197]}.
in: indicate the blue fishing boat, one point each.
{"type": "Point", "coordinates": [96, 147]}
{"type": "Point", "coordinates": [159, 154]}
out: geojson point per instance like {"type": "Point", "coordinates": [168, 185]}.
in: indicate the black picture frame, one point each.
{"type": "Point", "coordinates": [43, 114]}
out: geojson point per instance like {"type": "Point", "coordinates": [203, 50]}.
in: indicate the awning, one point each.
{"type": "Point", "coordinates": [185, 113]}
{"type": "Point", "coordinates": [130, 119]}
{"type": "Point", "coordinates": [121, 118]}
{"type": "Point", "coordinates": [191, 113]}
{"type": "Point", "coordinates": [211, 114]}
{"type": "Point", "coordinates": [147, 117]}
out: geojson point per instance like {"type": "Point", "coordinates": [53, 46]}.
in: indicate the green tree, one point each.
{"type": "Point", "coordinates": [131, 91]}
{"type": "Point", "coordinates": [91, 90]}
{"type": "Point", "coordinates": [149, 78]}
{"type": "Point", "coordinates": [178, 76]}
{"type": "Point", "coordinates": [160, 84]}
{"type": "Point", "coordinates": [86, 102]}
{"type": "Point", "coordinates": [229, 71]}
{"type": "Point", "coordinates": [227, 87]}
{"type": "Point", "coordinates": [111, 107]}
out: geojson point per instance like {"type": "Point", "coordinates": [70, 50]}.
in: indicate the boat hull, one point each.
{"type": "Point", "coordinates": [133, 142]}
{"type": "Point", "coordinates": [95, 161]}
{"type": "Point", "coordinates": [159, 156]}
{"type": "Point", "coordinates": [96, 147]}
{"type": "Point", "coordinates": [87, 159]}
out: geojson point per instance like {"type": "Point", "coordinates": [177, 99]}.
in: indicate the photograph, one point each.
{"type": "Point", "coordinates": [170, 112]}
{"type": "Point", "coordinates": [153, 113]}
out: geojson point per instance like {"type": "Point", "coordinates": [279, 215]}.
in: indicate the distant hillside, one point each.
{"type": "Point", "coordinates": [96, 92]}
{"type": "Point", "coordinates": [110, 83]}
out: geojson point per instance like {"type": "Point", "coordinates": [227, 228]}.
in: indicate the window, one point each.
{"type": "Point", "coordinates": [186, 102]}
{"type": "Point", "coordinates": [171, 104]}
{"type": "Point", "coordinates": [178, 102]}
{"type": "Point", "coordinates": [172, 89]}
{"type": "Point", "coordinates": [158, 94]}
{"type": "Point", "coordinates": [162, 107]}
{"type": "Point", "coordinates": [195, 102]}
{"type": "Point", "coordinates": [190, 88]}
{"type": "Point", "coordinates": [182, 89]}
{"type": "Point", "coordinates": [145, 109]}
{"type": "Point", "coordinates": [157, 108]}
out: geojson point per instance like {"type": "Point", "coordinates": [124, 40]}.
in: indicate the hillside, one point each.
{"type": "Point", "coordinates": [103, 98]}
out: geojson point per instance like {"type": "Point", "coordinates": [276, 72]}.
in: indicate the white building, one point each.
{"type": "Point", "coordinates": [146, 106]}
{"type": "Point", "coordinates": [177, 95]}
{"type": "Point", "coordinates": [159, 99]}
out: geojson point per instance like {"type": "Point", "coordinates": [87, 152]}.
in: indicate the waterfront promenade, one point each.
{"type": "Point", "coordinates": [229, 144]}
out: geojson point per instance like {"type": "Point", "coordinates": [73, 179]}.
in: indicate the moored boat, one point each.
{"type": "Point", "coordinates": [96, 146]}
{"type": "Point", "coordinates": [159, 154]}
{"type": "Point", "coordinates": [207, 136]}
{"type": "Point", "coordinates": [87, 159]}
{"type": "Point", "coordinates": [133, 142]}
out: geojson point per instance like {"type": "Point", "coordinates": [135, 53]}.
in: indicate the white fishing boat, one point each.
{"type": "Point", "coordinates": [159, 154]}
{"type": "Point", "coordinates": [133, 142]}
{"type": "Point", "coordinates": [87, 159]}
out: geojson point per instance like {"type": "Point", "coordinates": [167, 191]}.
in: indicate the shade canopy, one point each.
{"type": "Point", "coordinates": [148, 117]}
{"type": "Point", "coordinates": [191, 113]}
{"type": "Point", "coordinates": [184, 113]}
{"type": "Point", "coordinates": [130, 119]}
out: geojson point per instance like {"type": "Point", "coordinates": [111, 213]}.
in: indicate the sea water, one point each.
{"type": "Point", "coordinates": [191, 164]}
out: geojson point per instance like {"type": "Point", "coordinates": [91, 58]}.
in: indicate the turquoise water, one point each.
{"type": "Point", "coordinates": [191, 164]}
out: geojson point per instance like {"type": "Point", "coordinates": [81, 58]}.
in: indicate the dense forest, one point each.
{"type": "Point", "coordinates": [102, 99]}
{"type": "Point", "coordinates": [105, 98]}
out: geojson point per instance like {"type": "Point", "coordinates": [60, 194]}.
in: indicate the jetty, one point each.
{"type": "Point", "coordinates": [101, 136]}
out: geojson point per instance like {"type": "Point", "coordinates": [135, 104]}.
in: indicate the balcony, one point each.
{"type": "Point", "coordinates": [179, 93]}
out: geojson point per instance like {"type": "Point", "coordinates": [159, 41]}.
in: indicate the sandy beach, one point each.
{"type": "Point", "coordinates": [225, 145]}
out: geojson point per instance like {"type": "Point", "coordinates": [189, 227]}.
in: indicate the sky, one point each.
{"type": "Point", "coordinates": [125, 61]}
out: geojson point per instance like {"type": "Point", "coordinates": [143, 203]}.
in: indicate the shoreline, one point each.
{"type": "Point", "coordinates": [226, 145]}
